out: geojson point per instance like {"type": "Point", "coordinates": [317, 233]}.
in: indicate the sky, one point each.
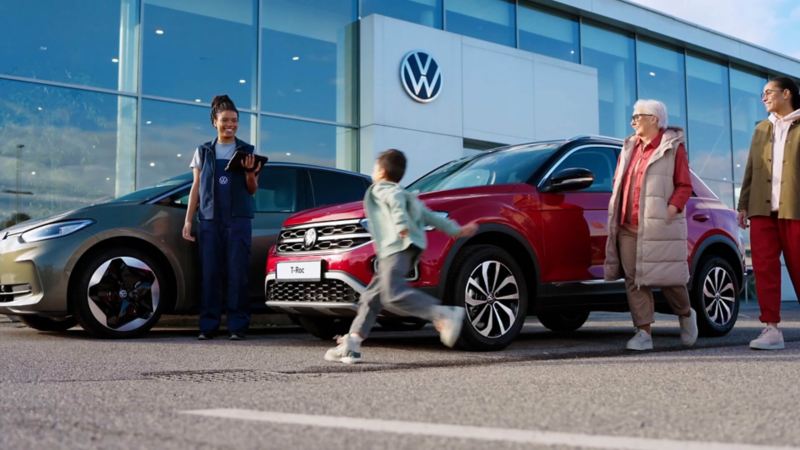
{"type": "Point", "coordinates": [772, 24]}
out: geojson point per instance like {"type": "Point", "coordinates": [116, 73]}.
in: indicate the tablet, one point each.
{"type": "Point", "coordinates": [236, 163]}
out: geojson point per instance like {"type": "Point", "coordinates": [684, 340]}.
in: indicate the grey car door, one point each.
{"type": "Point", "coordinates": [282, 191]}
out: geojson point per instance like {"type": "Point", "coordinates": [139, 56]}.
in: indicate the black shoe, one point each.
{"type": "Point", "coordinates": [237, 337]}
{"type": "Point", "coordinates": [205, 336]}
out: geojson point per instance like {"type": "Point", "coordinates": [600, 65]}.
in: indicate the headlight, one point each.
{"type": "Point", "coordinates": [55, 230]}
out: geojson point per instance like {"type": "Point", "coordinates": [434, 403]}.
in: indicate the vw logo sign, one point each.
{"type": "Point", "coordinates": [310, 238]}
{"type": "Point", "coordinates": [421, 76]}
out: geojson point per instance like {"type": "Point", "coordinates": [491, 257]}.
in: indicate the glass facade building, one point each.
{"type": "Point", "coordinates": [100, 97]}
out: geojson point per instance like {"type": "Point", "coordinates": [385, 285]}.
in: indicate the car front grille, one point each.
{"type": "Point", "coordinates": [328, 291]}
{"type": "Point", "coordinates": [328, 237]}
{"type": "Point", "coordinates": [9, 292]}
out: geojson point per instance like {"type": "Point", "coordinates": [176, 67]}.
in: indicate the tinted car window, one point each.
{"type": "Point", "coordinates": [154, 191]}
{"type": "Point", "coordinates": [507, 166]}
{"type": "Point", "coordinates": [279, 190]}
{"type": "Point", "coordinates": [331, 188]}
{"type": "Point", "coordinates": [600, 160]}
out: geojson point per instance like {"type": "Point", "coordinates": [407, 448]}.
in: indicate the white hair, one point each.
{"type": "Point", "coordinates": [653, 107]}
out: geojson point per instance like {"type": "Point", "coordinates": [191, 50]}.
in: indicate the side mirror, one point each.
{"type": "Point", "coordinates": [570, 179]}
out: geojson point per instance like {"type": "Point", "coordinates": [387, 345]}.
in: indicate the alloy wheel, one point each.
{"type": "Point", "coordinates": [492, 299]}
{"type": "Point", "coordinates": [123, 293]}
{"type": "Point", "coordinates": [719, 295]}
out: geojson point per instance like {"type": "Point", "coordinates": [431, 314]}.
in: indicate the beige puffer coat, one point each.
{"type": "Point", "coordinates": [661, 247]}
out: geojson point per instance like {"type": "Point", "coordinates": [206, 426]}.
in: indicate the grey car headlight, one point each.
{"type": "Point", "coordinates": [55, 230]}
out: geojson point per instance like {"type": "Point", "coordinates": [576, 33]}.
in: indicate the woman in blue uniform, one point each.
{"type": "Point", "coordinates": [224, 200]}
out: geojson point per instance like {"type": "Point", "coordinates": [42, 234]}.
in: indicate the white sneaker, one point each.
{"type": "Point", "coordinates": [688, 328]}
{"type": "Point", "coordinates": [640, 341]}
{"type": "Point", "coordinates": [770, 338]}
{"type": "Point", "coordinates": [449, 325]}
{"type": "Point", "coordinates": [348, 351]}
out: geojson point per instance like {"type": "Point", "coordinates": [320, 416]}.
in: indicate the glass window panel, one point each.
{"type": "Point", "coordinates": [548, 32]}
{"type": "Point", "coordinates": [305, 142]}
{"type": "Point", "coordinates": [611, 53]}
{"type": "Point", "coordinates": [724, 190]}
{"type": "Point", "coordinates": [709, 119]}
{"type": "Point", "coordinates": [59, 147]}
{"type": "Point", "coordinates": [488, 20]}
{"type": "Point", "coordinates": [601, 161]}
{"type": "Point", "coordinates": [423, 12]}
{"type": "Point", "coordinates": [309, 58]}
{"type": "Point", "coordinates": [278, 189]}
{"type": "Point", "coordinates": [331, 188]}
{"type": "Point", "coordinates": [662, 77]}
{"type": "Point", "coordinates": [170, 133]}
{"type": "Point", "coordinates": [195, 50]}
{"type": "Point", "coordinates": [70, 41]}
{"type": "Point", "coordinates": [746, 111]}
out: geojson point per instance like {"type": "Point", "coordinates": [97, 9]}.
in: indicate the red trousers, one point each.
{"type": "Point", "coordinates": [769, 236]}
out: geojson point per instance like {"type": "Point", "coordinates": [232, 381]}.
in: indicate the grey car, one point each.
{"type": "Point", "coordinates": [115, 267]}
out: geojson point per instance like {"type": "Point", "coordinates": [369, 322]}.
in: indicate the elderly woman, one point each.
{"type": "Point", "coordinates": [647, 225]}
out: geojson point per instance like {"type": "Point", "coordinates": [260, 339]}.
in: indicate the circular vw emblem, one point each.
{"type": "Point", "coordinates": [123, 294]}
{"type": "Point", "coordinates": [310, 238]}
{"type": "Point", "coordinates": [223, 180]}
{"type": "Point", "coordinates": [421, 76]}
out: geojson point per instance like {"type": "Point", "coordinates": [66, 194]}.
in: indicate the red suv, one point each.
{"type": "Point", "coordinates": [542, 209]}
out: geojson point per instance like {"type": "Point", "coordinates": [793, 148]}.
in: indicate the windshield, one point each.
{"type": "Point", "coordinates": [153, 191]}
{"type": "Point", "coordinates": [507, 166]}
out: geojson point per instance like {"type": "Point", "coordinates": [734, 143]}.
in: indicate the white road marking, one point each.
{"type": "Point", "coordinates": [472, 432]}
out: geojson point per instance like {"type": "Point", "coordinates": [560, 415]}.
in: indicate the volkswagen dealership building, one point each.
{"type": "Point", "coordinates": [101, 97]}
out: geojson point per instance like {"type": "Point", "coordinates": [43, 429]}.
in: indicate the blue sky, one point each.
{"type": "Point", "coordinates": [773, 24]}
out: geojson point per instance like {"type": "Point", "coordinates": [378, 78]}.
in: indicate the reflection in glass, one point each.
{"type": "Point", "coordinates": [309, 58]}
{"type": "Point", "coordinates": [81, 42]}
{"type": "Point", "coordinates": [171, 133]}
{"type": "Point", "coordinates": [310, 143]}
{"type": "Point", "coordinates": [196, 50]}
{"type": "Point", "coordinates": [662, 77]}
{"type": "Point", "coordinates": [58, 148]}
{"type": "Point", "coordinates": [423, 12]}
{"type": "Point", "coordinates": [746, 111]}
{"type": "Point", "coordinates": [611, 53]}
{"type": "Point", "coordinates": [709, 119]}
{"type": "Point", "coordinates": [488, 20]}
{"type": "Point", "coordinates": [548, 32]}
{"type": "Point", "coordinates": [723, 189]}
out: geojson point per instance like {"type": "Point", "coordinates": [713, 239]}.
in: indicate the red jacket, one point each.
{"type": "Point", "coordinates": [639, 160]}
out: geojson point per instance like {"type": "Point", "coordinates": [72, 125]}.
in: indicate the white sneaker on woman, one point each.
{"type": "Point", "coordinates": [640, 341]}
{"type": "Point", "coordinates": [688, 328]}
{"type": "Point", "coordinates": [770, 338]}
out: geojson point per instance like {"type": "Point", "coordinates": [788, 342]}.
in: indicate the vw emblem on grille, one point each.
{"type": "Point", "coordinates": [310, 238]}
{"type": "Point", "coordinates": [421, 76]}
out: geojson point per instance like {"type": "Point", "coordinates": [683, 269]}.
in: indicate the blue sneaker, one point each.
{"type": "Point", "coordinates": [348, 351]}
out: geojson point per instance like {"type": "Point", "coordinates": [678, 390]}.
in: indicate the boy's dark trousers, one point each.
{"type": "Point", "coordinates": [389, 289]}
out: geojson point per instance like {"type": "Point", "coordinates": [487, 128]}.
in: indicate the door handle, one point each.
{"type": "Point", "coordinates": [701, 217]}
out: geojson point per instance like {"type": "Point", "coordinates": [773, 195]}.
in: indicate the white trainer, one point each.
{"type": "Point", "coordinates": [640, 341]}
{"type": "Point", "coordinates": [348, 351]}
{"type": "Point", "coordinates": [449, 325]}
{"type": "Point", "coordinates": [770, 338]}
{"type": "Point", "coordinates": [688, 328]}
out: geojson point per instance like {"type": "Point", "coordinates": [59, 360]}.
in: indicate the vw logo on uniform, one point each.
{"type": "Point", "coordinates": [310, 238]}
{"type": "Point", "coordinates": [421, 76]}
{"type": "Point", "coordinates": [223, 180]}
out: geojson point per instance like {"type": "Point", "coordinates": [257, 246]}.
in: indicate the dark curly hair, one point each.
{"type": "Point", "coordinates": [222, 103]}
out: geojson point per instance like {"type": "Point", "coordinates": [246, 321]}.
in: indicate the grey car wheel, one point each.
{"type": "Point", "coordinates": [118, 293]}
{"type": "Point", "coordinates": [490, 286]}
{"type": "Point", "coordinates": [715, 297]}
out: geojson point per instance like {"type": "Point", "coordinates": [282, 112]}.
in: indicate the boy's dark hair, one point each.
{"type": "Point", "coordinates": [788, 83]}
{"type": "Point", "coordinates": [222, 103]}
{"type": "Point", "coordinates": [393, 163]}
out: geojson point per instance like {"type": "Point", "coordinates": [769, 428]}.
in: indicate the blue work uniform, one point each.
{"type": "Point", "coordinates": [224, 238]}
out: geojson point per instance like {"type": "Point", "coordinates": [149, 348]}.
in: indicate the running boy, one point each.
{"type": "Point", "coordinates": [397, 221]}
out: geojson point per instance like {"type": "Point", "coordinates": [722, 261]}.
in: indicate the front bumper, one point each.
{"type": "Point", "coordinates": [336, 294]}
{"type": "Point", "coordinates": [34, 276]}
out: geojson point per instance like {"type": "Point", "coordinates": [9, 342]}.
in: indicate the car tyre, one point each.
{"type": "Point", "coordinates": [43, 323]}
{"type": "Point", "coordinates": [563, 321]}
{"type": "Point", "coordinates": [325, 328]}
{"type": "Point", "coordinates": [715, 297]}
{"type": "Point", "coordinates": [119, 292]}
{"type": "Point", "coordinates": [491, 287]}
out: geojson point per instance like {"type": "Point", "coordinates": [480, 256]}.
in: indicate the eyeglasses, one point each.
{"type": "Point", "coordinates": [637, 117]}
{"type": "Point", "coordinates": [770, 91]}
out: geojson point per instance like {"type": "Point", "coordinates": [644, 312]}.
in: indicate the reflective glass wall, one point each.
{"type": "Point", "coordinates": [130, 106]}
